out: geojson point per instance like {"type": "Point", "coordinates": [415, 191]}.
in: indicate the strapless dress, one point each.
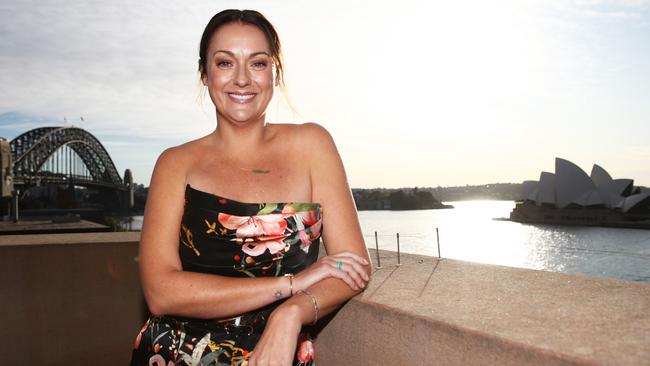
{"type": "Point", "coordinates": [225, 237]}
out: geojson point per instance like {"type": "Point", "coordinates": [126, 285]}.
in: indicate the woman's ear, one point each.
{"type": "Point", "coordinates": [204, 75]}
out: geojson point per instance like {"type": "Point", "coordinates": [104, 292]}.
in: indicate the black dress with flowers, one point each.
{"type": "Point", "coordinates": [229, 238]}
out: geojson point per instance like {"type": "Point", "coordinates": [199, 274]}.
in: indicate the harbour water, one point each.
{"type": "Point", "coordinates": [469, 232]}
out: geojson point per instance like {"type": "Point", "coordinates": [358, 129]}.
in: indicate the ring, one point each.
{"type": "Point", "coordinates": [339, 265]}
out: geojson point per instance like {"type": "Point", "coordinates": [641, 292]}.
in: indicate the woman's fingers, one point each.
{"type": "Point", "coordinates": [358, 268]}
{"type": "Point", "coordinates": [353, 268]}
{"type": "Point", "coordinates": [351, 264]}
{"type": "Point", "coordinates": [345, 276]}
{"type": "Point", "coordinates": [351, 271]}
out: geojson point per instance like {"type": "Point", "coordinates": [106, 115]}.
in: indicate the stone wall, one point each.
{"type": "Point", "coordinates": [447, 312]}
{"type": "Point", "coordinates": [75, 299]}
{"type": "Point", "coordinates": [69, 299]}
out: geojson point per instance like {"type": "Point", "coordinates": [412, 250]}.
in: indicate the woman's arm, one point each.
{"type": "Point", "coordinates": [170, 290]}
{"type": "Point", "coordinates": [167, 288]}
{"type": "Point", "coordinates": [341, 234]}
{"type": "Point", "coordinates": [341, 229]}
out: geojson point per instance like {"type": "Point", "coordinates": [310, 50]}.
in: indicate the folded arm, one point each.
{"type": "Point", "coordinates": [170, 290]}
{"type": "Point", "coordinates": [341, 229]}
{"type": "Point", "coordinates": [167, 288]}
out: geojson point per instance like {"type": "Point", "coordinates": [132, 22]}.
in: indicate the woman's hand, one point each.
{"type": "Point", "coordinates": [352, 271]}
{"type": "Point", "coordinates": [277, 346]}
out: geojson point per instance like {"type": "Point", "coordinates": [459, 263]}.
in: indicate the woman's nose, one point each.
{"type": "Point", "coordinates": [241, 77]}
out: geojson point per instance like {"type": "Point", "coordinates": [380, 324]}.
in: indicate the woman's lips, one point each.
{"type": "Point", "coordinates": [241, 98]}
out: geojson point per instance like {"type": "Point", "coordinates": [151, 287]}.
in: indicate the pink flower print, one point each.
{"type": "Point", "coordinates": [255, 248]}
{"type": "Point", "coordinates": [304, 241]}
{"type": "Point", "coordinates": [308, 218]}
{"type": "Point", "coordinates": [254, 226]}
{"type": "Point", "coordinates": [288, 210]}
{"type": "Point", "coordinates": [139, 337]}
{"type": "Point", "coordinates": [305, 351]}
{"type": "Point", "coordinates": [257, 233]}
{"type": "Point", "coordinates": [305, 219]}
{"type": "Point", "coordinates": [158, 360]}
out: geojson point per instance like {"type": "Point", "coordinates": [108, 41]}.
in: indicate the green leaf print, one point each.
{"type": "Point", "coordinates": [268, 208]}
{"type": "Point", "coordinates": [303, 206]}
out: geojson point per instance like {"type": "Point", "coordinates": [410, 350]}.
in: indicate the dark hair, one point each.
{"type": "Point", "coordinates": [251, 17]}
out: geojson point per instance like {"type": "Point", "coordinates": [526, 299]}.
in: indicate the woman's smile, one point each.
{"type": "Point", "coordinates": [241, 98]}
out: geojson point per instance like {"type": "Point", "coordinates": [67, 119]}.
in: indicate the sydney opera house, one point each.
{"type": "Point", "coordinates": [570, 196]}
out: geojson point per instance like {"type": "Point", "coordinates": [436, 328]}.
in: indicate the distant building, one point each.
{"type": "Point", "coordinates": [571, 196]}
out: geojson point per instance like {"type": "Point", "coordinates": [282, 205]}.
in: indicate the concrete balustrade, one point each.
{"type": "Point", "coordinates": [76, 299]}
{"type": "Point", "coordinates": [447, 312]}
{"type": "Point", "coordinates": [69, 299]}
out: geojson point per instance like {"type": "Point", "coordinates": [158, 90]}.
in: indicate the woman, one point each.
{"type": "Point", "coordinates": [244, 278]}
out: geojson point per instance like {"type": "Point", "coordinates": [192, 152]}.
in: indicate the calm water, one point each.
{"type": "Point", "coordinates": [468, 232]}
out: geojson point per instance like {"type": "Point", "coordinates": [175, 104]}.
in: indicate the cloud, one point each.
{"type": "Point", "coordinates": [423, 76]}
{"type": "Point", "coordinates": [610, 10]}
{"type": "Point", "coordinates": [115, 63]}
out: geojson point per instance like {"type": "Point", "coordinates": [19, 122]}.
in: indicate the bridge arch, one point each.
{"type": "Point", "coordinates": [33, 148]}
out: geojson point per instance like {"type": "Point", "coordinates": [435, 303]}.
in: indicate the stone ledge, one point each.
{"type": "Point", "coordinates": [77, 238]}
{"type": "Point", "coordinates": [430, 311]}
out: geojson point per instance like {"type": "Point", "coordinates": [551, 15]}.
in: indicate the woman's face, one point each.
{"type": "Point", "coordinates": [239, 73]}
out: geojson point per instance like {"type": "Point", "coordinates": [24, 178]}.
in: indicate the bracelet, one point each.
{"type": "Point", "coordinates": [314, 302]}
{"type": "Point", "coordinates": [290, 276]}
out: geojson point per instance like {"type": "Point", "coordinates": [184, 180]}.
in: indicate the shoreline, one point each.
{"type": "Point", "coordinates": [644, 225]}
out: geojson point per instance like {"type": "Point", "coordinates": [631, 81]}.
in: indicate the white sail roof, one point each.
{"type": "Point", "coordinates": [529, 189]}
{"type": "Point", "coordinates": [570, 185]}
{"type": "Point", "coordinates": [571, 182]}
{"type": "Point", "coordinates": [636, 200]}
{"type": "Point", "coordinates": [590, 198]}
{"type": "Point", "coordinates": [600, 176]}
{"type": "Point", "coordinates": [546, 194]}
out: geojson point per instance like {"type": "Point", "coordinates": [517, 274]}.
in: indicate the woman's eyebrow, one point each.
{"type": "Point", "coordinates": [260, 53]}
{"type": "Point", "coordinates": [233, 55]}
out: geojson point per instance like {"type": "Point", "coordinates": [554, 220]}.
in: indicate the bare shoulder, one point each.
{"type": "Point", "coordinates": [175, 163]}
{"type": "Point", "coordinates": [171, 160]}
{"type": "Point", "coordinates": [310, 137]}
{"type": "Point", "coordinates": [315, 132]}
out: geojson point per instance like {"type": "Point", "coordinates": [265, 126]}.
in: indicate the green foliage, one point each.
{"type": "Point", "coordinates": [395, 199]}
{"type": "Point", "coordinates": [117, 223]}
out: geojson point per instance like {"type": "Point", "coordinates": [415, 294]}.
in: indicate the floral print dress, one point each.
{"type": "Point", "coordinates": [230, 238]}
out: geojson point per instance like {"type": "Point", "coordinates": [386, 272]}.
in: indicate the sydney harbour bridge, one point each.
{"type": "Point", "coordinates": [64, 157]}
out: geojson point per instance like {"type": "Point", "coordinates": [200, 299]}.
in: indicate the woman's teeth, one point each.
{"type": "Point", "coordinates": [241, 97]}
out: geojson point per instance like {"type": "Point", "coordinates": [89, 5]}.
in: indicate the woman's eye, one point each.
{"type": "Point", "coordinates": [224, 64]}
{"type": "Point", "coordinates": [259, 65]}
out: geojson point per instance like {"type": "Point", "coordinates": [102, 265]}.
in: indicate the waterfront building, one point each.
{"type": "Point", "coordinates": [569, 195]}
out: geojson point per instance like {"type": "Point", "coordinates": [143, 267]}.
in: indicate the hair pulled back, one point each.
{"type": "Point", "coordinates": [251, 17]}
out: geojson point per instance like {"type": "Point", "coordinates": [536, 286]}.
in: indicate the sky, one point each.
{"type": "Point", "coordinates": [415, 93]}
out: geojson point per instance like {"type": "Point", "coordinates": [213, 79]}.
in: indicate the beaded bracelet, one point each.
{"type": "Point", "coordinates": [314, 302]}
